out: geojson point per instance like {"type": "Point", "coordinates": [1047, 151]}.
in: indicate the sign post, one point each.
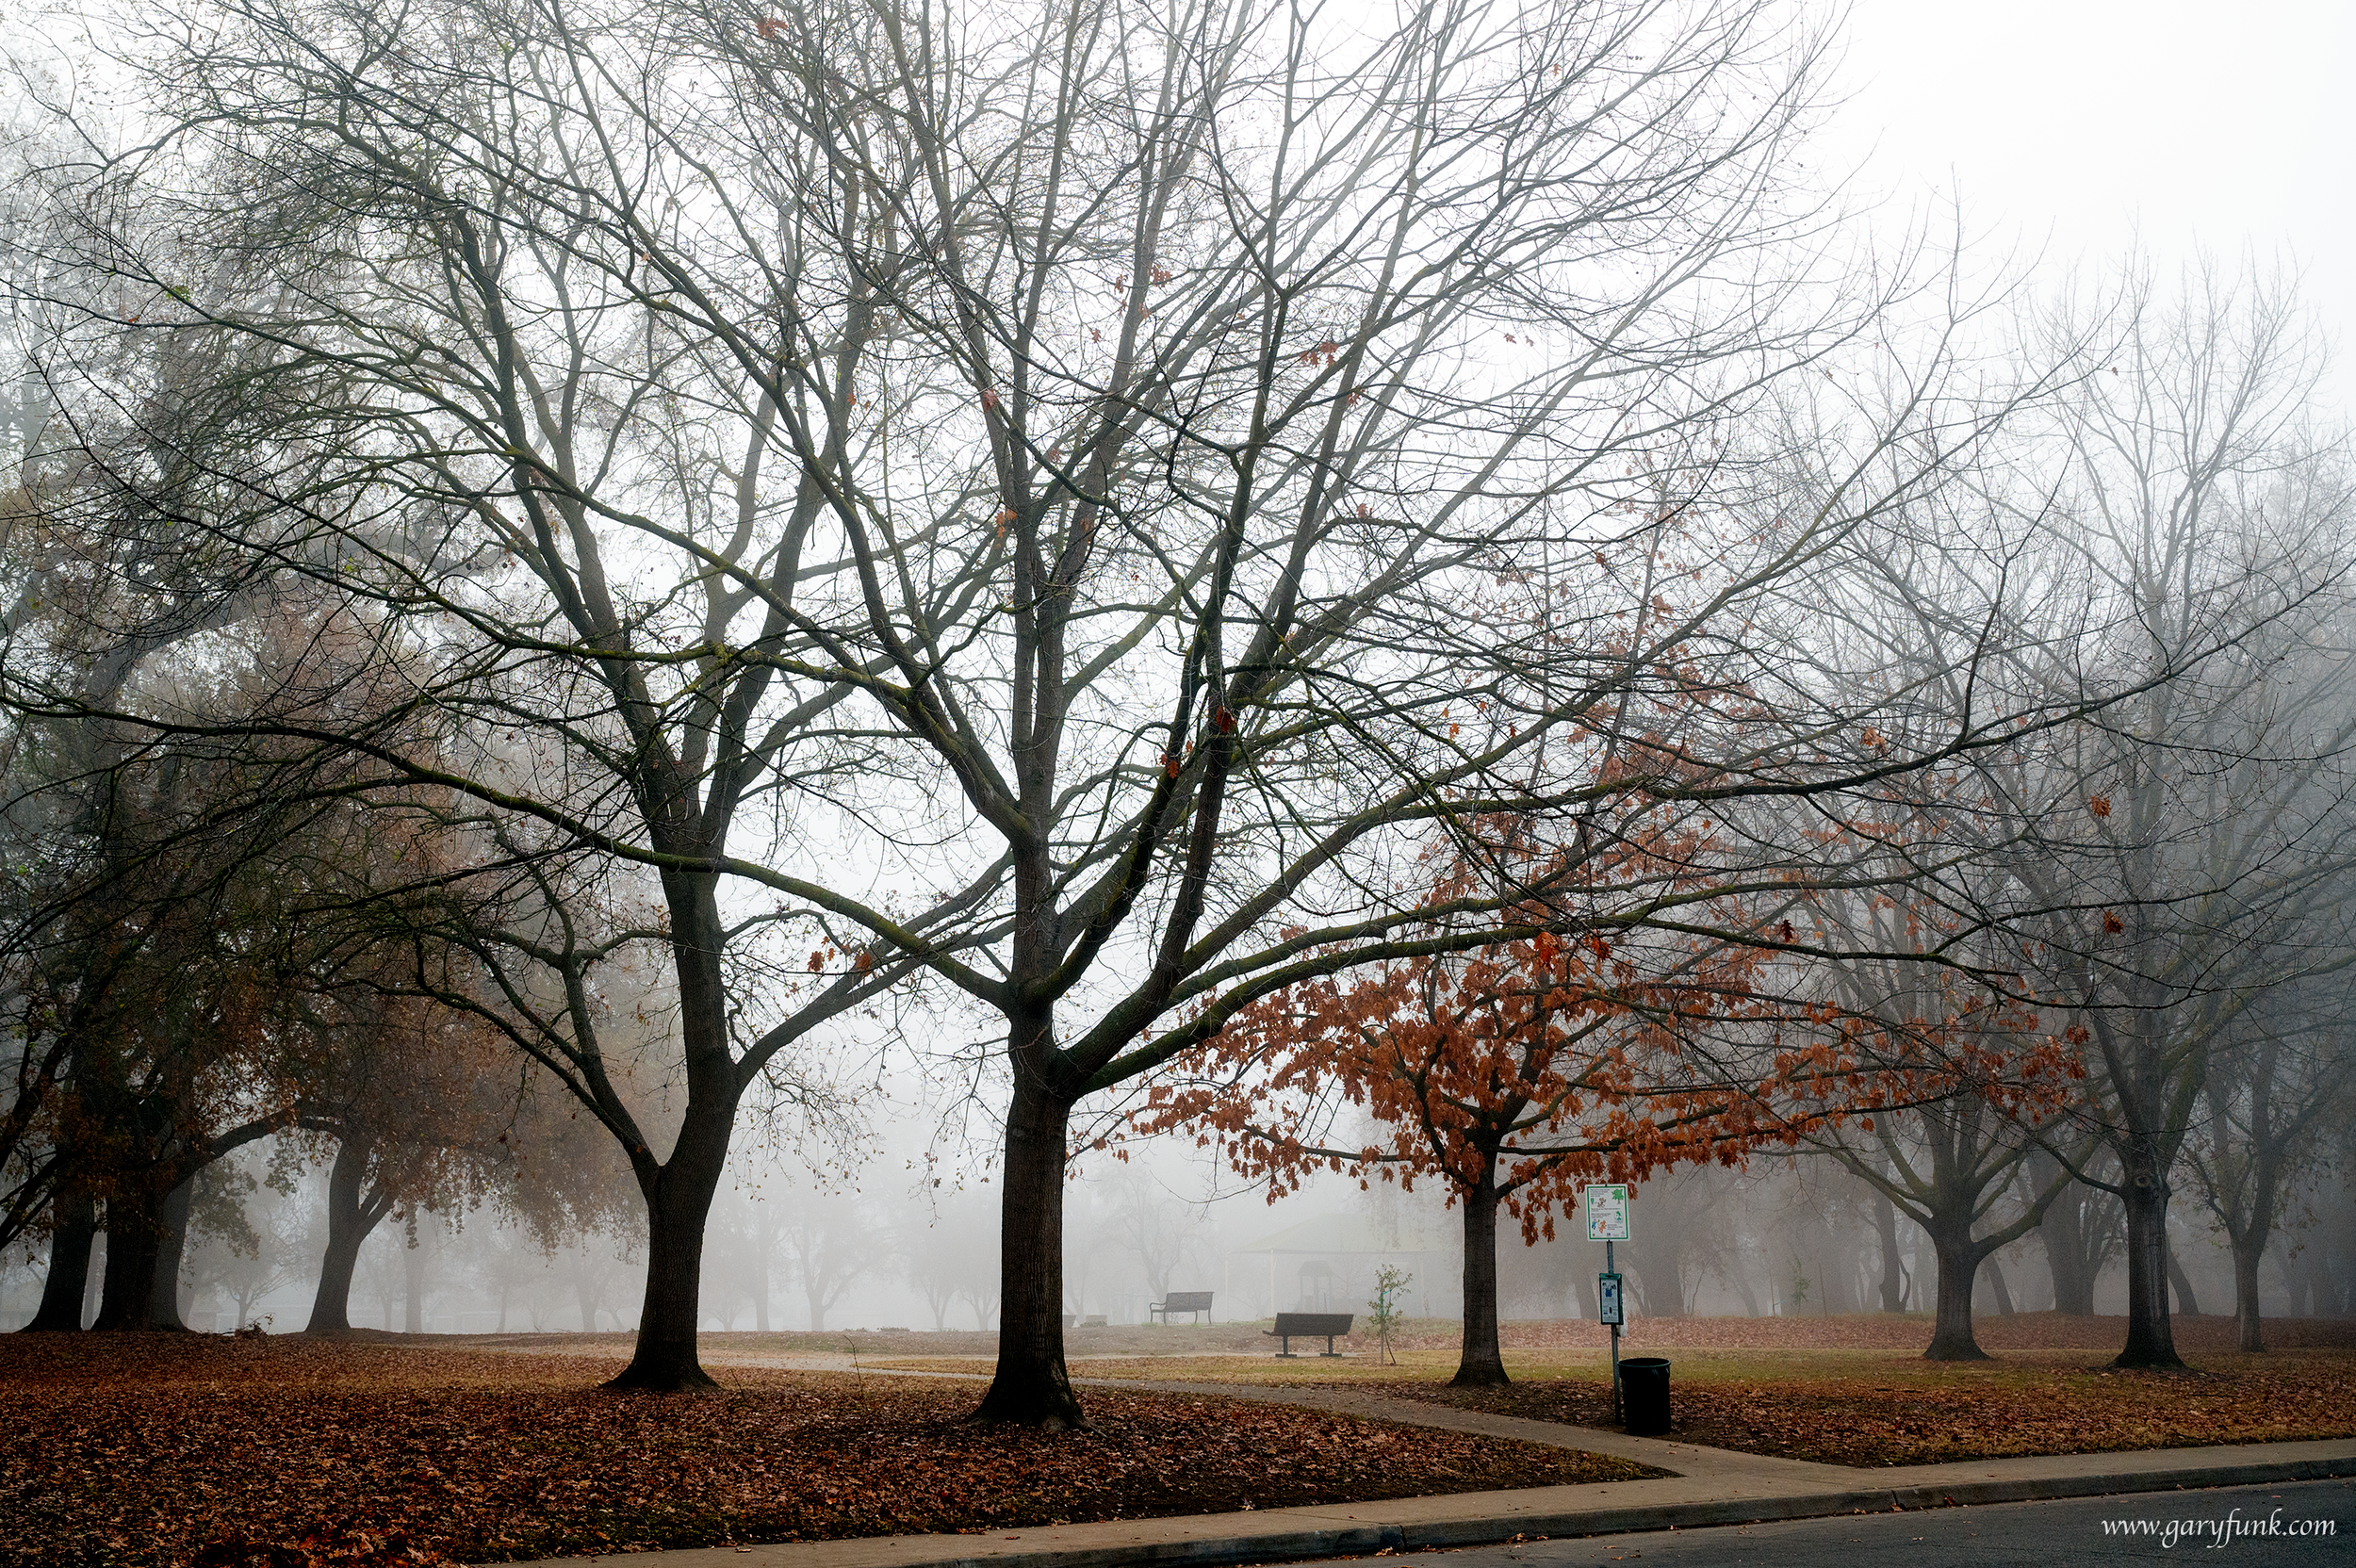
{"type": "Point", "coordinates": [1606, 1222]}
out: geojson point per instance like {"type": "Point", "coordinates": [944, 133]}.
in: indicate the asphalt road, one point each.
{"type": "Point", "coordinates": [2003, 1535]}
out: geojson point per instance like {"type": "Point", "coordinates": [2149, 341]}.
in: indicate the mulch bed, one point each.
{"type": "Point", "coordinates": [219, 1453]}
{"type": "Point", "coordinates": [1979, 1411]}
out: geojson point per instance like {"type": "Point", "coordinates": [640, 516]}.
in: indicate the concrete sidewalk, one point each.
{"type": "Point", "coordinates": [1711, 1486]}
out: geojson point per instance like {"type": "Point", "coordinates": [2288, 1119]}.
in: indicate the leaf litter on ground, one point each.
{"type": "Point", "coordinates": [1909, 1411]}
{"type": "Point", "coordinates": [178, 1449]}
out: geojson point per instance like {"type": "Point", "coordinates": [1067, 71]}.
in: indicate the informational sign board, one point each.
{"type": "Point", "coordinates": [1607, 1211]}
{"type": "Point", "coordinates": [1608, 1300]}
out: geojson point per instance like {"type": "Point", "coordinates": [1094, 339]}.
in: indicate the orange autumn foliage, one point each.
{"type": "Point", "coordinates": [1543, 1061]}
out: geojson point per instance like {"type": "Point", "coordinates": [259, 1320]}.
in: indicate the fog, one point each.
{"type": "Point", "coordinates": [1785, 1236]}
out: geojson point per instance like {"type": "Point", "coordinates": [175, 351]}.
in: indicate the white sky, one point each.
{"type": "Point", "coordinates": [2070, 125]}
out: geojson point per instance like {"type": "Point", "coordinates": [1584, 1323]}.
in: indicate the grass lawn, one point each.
{"type": "Point", "coordinates": [171, 1449]}
{"type": "Point", "coordinates": [1865, 1407]}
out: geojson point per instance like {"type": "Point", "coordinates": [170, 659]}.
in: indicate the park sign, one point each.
{"type": "Point", "coordinates": [1607, 1211]}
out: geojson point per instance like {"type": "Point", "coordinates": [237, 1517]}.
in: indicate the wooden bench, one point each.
{"type": "Point", "coordinates": [1195, 1301]}
{"type": "Point", "coordinates": [1308, 1325]}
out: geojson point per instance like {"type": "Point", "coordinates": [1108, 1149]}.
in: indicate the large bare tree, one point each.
{"type": "Point", "coordinates": [1051, 511]}
{"type": "Point", "coordinates": [2188, 849]}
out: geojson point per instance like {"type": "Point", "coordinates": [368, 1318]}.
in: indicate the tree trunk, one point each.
{"type": "Point", "coordinates": [2063, 1233]}
{"type": "Point", "coordinates": [134, 1238]}
{"type": "Point", "coordinates": [588, 1301]}
{"type": "Point", "coordinates": [1894, 1265]}
{"type": "Point", "coordinates": [171, 1244]}
{"type": "Point", "coordinates": [2003, 1292]}
{"type": "Point", "coordinates": [61, 1293]}
{"type": "Point", "coordinates": [2249, 1250]}
{"type": "Point", "coordinates": [679, 1192]}
{"type": "Point", "coordinates": [677, 1207]}
{"type": "Point", "coordinates": [1031, 1388]}
{"type": "Point", "coordinates": [97, 1279]}
{"type": "Point", "coordinates": [1958, 1261]}
{"type": "Point", "coordinates": [2187, 1305]}
{"type": "Point", "coordinates": [2151, 1338]}
{"type": "Point", "coordinates": [412, 1289]}
{"type": "Point", "coordinates": [351, 1214]}
{"type": "Point", "coordinates": [1481, 1364]}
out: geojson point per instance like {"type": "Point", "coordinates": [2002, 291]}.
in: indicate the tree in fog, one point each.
{"type": "Point", "coordinates": [128, 916]}
{"type": "Point", "coordinates": [2274, 1086]}
{"type": "Point", "coordinates": [231, 1253]}
{"type": "Point", "coordinates": [2192, 846]}
{"type": "Point", "coordinates": [1512, 1076]}
{"type": "Point", "coordinates": [1050, 512]}
{"type": "Point", "coordinates": [1951, 1163]}
{"type": "Point", "coordinates": [828, 1244]}
{"type": "Point", "coordinates": [1155, 1225]}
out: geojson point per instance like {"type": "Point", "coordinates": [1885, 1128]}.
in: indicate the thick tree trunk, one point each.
{"type": "Point", "coordinates": [1894, 1265]}
{"type": "Point", "coordinates": [171, 1244]}
{"type": "Point", "coordinates": [351, 1215]}
{"type": "Point", "coordinates": [1958, 1261]}
{"type": "Point", "coordinates": [664, 1358]}
{"type": "Point", "coordinates": [1480, 1365]}
{"type": "Point", "coordinates": [679, 1193]}
{"type": "Point", "coordinates": [2151, 1337]}
{"type": "Point", "coordinates": [134, 1238]}
{"type": "Point", "coordinates": [2066, 1259]}
{"type": "Point", "coordinates": [1031, 1388]}
{"type": "Point", "coordinates": [61, 1293]}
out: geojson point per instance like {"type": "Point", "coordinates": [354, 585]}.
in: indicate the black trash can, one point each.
{"type": "Point", "coordinates": [1645, 1396]}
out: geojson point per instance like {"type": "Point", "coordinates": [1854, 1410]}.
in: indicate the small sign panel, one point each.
{"type": "Point", "coordinates": [1608, 1300]}
{"type": "Point", "coordinates": [1607, 1211]}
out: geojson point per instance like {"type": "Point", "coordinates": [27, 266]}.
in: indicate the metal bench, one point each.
{"type": "Point", "coordinates": [1308, 1325]}
{"type": "Point", "coordinates": [1195, 1301]}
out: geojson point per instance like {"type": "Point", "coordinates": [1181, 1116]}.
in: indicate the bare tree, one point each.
{"type": "Point", "coordinates": [829, 1241]}
{"type": "Point", "coordinates": [1051, 510]}
{"type": "Point", "coordinates": [2272, 1091]}
{"type": "Point", "coordinates": [2187, 843]}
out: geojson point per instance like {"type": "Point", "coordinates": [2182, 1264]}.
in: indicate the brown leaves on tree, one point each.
{"type": "Point", "coordinates": [1540, 1062]}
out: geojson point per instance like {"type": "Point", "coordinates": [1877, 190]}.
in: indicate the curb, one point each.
{"type": "Point", "coordinates": [1301, 1541]}
{"type": "Point", "coordinates": [1758, 1510]}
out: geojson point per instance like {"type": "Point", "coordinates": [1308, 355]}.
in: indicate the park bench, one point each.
{"type": "Point", "coordinates": [1308, 1325]}
{"type": "Point", "coordinates": [1195, 1301]}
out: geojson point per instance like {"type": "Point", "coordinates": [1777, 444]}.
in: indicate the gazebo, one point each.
{"type": "Point", "coordinates": [1331, 1249]}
